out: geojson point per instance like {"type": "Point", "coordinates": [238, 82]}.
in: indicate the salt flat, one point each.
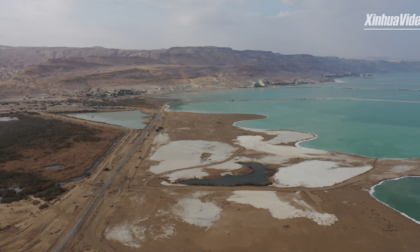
{"type": "Point", "coordinates": [161, 139]}
{"type": "Point", "coordinates": [283, 136]}
{"type": "Point", "coordinates": [197, 173]}
{"type": "Point", "coordinates": [193, 211]}
{"type": "Point", "coordinates": [257, 143]}
{"type": "Point", "coordinates": [187, 153]}
{"type": "Point", "coordinates": [280, 208]}
{"type": "Point", "coordinates": [316, 173]}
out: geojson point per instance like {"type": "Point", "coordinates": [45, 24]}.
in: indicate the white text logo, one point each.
{"type": "Point", "coordinates": [401, 22]}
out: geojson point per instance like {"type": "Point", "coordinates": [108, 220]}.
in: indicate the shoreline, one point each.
{"type": "Point", "coordinates": [347, 200]}
{"type": "Point", "coordinates": [315, 136]}
{"type": "Point", "coordinates": [297, 143]}
{"type": "Point", "coordinates": [372, 191]}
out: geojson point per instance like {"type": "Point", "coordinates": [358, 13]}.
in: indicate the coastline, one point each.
{"type": "Point", "coordinates": [347, 200]}
{"type": "Point", "coordinates": [315, 136]}
{"type": "Point", "coordinates": [372, 191]}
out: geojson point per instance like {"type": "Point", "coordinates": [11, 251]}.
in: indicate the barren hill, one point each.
{"type": "Point", "coordinates": [84, 68]}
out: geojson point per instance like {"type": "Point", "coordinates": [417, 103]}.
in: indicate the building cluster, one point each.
{"type": "Point", "coordinates": [347, 74]}
{"type": "Point", "coordinates": [113, 92]}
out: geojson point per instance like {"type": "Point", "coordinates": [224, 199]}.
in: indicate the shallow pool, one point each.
{"type": "Point", "coordinates": [129, 119]}
{"type": "Point", "coordinates": [258, 177]}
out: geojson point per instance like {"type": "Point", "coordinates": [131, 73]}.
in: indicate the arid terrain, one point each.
{"type": "Point", "coordinates": [310, 200]}
{"type": "Point", "coordinates": [74, 72]}
{"type": "Point", "coordinates": [137, 205]}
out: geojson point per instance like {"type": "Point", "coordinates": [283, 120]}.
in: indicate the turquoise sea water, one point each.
{"type": "Point", "coordinates": [368, 128]}
{"type": "Point", "coordinates": [345, 120]}
{"type": "Point", "coordinates": [376, 118]}
{"type": "Point", "coordinates": [130, 119]}
{"type": "Point", "coordinates": [402, 195]}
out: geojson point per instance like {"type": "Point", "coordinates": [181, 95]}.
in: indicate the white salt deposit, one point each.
{"type": "Point", "coordinates": [270, 159]}
{"type": "Point", "coordinates": [169, 184]}
{"type": "Point", "coordinates": [281, 209]}
{"type": "Point", "coordinates": [231, 164]}
{"type": "Point", "coordinates": [402, 168]}
{"type": "Point", "coordinates": [161, 139]}
{"type": "Point", "coordinates": [187, 153]}
{"type": "Point", "coordinates": [185, 128]}
{"type": "Point", "coordinates": [163, 231]}
{"type": "Point", "coordinates": [7, 119]}
{"type": "Point", "coordinates": [132, 234]}
{"type": "Point", "coordinates": [197, 173]}
{"type": "Point", "coordinates": [128, 234]}
{"type": "Point", "coordinates": [193, 211]}
{"type": "Point", "coordinates": [256, 143]}
{"type": "Point", "coordinates": [316, 173]}
{"type": "Point", "coordinates": [283, 136]}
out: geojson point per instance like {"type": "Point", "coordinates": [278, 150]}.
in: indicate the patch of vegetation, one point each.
{"type": "Point", "coordinates": [31, 184]}
{"type": "Point", "coordinates": [31, 132]}
{"type": "Point", "coordinates": [43, 206]}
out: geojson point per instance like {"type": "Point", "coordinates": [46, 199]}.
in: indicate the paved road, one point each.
{"type": "Point", "coordinates": [106, 185]}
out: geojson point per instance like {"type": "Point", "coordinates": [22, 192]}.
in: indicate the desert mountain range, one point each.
{"type": "Point", "coordinates": [35, 68]}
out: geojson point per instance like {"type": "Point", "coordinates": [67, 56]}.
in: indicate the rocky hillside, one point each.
{"type": "Point", "coordinates": [22, 57]}
{"type": "Point", "coordinates": [85, 68]}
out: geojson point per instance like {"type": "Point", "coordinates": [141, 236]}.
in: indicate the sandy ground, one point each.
{"type": "Point", "coordinates": [248, 218]}
{"type": "Point", "coordinates": [143, 212]}
{"type": "Point", "coordinates": [25, 227]}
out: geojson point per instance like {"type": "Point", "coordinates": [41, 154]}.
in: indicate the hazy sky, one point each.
{"type": "Point", "coordinates": [318, 27]}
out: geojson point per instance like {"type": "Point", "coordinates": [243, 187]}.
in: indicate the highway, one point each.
{"type": "Point", "coordinates": [89, 209]}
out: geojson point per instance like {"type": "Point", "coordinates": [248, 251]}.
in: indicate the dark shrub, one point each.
{"type": "Point", "coordinates": [43, 206]}
{"type": "Point", "coordinates": [32, 184]}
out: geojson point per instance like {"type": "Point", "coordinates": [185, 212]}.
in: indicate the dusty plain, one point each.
{"type": "Point", "coordinates": [145, 215]}
{"type": "Point", "coordinates": [131, 201]}
{"type": "Point", "coordinates": [145, 211]}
